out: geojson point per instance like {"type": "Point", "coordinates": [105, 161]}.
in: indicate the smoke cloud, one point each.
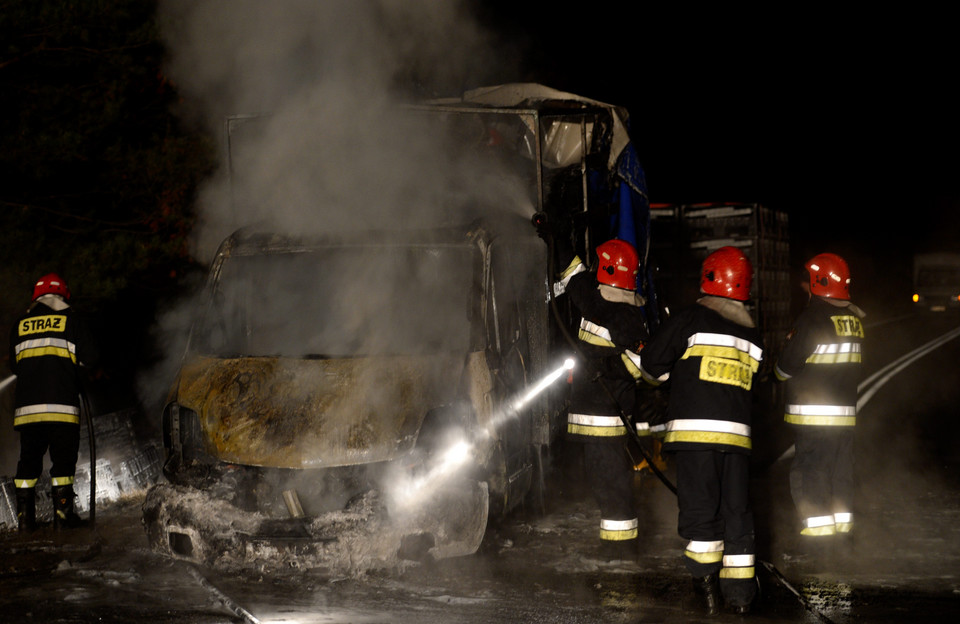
{"type": "Point", "coordinates": [310, 101]}
{"type": "Point", "coordinates": [333, 148]}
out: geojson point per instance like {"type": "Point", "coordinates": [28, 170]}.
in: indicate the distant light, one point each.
{"type": "Point", "coordinates": [916, 298]}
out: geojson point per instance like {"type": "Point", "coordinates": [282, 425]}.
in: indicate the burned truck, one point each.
{"type": "Point", "coordinates": [358, 399]}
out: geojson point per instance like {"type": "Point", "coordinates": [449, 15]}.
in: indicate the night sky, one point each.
{"type": "Point", "coordinates": [846, 121]}
{"type": "Point", "coordinates": [842, 118]}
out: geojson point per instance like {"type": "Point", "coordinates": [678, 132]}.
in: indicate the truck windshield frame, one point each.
{"type": "Point", "coordinates": [339, 301]}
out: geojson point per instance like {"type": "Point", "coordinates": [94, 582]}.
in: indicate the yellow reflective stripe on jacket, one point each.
{"type": "Point", "coordinates": [59, 481]}
{"type": "Point", "coordinates": [738, 567]}
{"type": "Point", "coordinates": [654, 381]}
{"type": "Point", "coordinates": [724, 346]}
{"type": "Point", "coordinates": [704, 552]}
{"type": "Point", "coordinates": [25, 484]}
{"type": "Point", "coordinates": [52, 412]}
{"type": "Point", "coordinates": [632, 362]}
{"type": "Point", "coordinates": [618, 530]}
{"type": "Point", "coordinates": [821, 415]}
{"type": "Point", "coordinates": [595, 334]}
{"type": "Point", "coordinates": [575, 266]}
{"type": "Point", "coordinates": [46, 346]}
{"type": "Point", "coordinates": [706, 431]}
{"type": "Point", "coordinates": [597, 426]}
{"type": "Point", "coordinates": [840, 353]}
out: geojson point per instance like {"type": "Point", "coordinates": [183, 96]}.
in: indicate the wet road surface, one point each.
{"type": "Point", "coordinates": [904, 565]}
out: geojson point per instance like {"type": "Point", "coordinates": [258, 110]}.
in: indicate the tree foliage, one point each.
{"type": "Point", "coordinates": [97, 176]}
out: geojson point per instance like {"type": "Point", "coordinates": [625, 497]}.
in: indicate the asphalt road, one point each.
{"type": "Point", "coordinates": [905, 566]}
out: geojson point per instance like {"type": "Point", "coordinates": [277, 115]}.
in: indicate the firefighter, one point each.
{"type": "Point", "coordinates": [821, 364]}
{"type": "Point", "coordinates": [48, 344]}
{"type": "Point", "coordinates": [612, 332]}
{"type": "Point", "coordinates": [710, 352]}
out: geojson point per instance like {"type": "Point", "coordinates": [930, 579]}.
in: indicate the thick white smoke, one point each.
{"type": "Point", "coordinates": [335, 149]}
{"type": "Point", "coordinates": [332, 145]}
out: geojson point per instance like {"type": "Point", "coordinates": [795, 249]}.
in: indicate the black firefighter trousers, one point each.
{"type": "Point", "coordinates": [715, 516]}
{"type": "Point", "coordinates": [609, 472]}
{"type": "Point", "coordinates": [63, 440]}
{"type": "Point", "coordinates": [821, 475]}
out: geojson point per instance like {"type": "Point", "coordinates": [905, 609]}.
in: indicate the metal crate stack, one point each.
{"type": "Point", "coordinates": [8, 502]}
{"type": "Point", "coordinates": [668, 250]}
{"type": "Point", "coordinates": [124, 464]}
{"type": "Point", "coordinates": [686, 234]}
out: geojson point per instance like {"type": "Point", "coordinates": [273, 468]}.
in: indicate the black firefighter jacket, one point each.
{"type": "Point", "coordinates": [47, 346]}
{"type": "Point", "coordinates": [612, 332]}
{"type": "Point", "coordinates": [711, 362]}
{"type": "Point", "coordinates": [821, 362]}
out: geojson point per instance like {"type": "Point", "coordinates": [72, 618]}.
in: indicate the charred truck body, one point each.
{"type": "Point", "coordinates": [308, 430]}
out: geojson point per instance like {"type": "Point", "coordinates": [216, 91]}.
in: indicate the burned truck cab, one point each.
{"type": "Point", "coordinates": [355, 389]}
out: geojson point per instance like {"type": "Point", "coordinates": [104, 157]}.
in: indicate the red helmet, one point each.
{"type": "Point", "coordinates": [51, 284]}
{"type": "Point", "coordinates": [619, 264]}
{"type": "Point", "coordinates": [727, 272]}
{"type": "Point", "coordinates": [829, 276]}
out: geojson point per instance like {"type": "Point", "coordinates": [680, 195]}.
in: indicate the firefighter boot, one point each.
{"type": "Point", "coordinates": [708, 588]}
{"type": "Point", "coordinates": [64, 517]}
{"type": "Point", "coordinates": [618, 551]}
{"type": "Point", "coordinates": [26, 510]}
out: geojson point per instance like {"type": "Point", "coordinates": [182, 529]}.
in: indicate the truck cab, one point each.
{"type": "Point", "coordinates": [936, 281]}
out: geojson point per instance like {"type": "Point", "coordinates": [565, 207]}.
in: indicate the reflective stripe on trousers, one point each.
{"type": "Point", "coordinates": [618, 530]}
{"type": "Point", "coordinates": [733, 566]}
{"type": "Point", "coordinates": [819, 526]}
{"type": "Point", "coordinates": [738, 567]}
{"type": "Point", "coordinates": [821, 415]}
{"type": "Point", "coordinates": [704, 552]}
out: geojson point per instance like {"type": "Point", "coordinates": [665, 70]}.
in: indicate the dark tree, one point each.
{"type": "Point", "coordinates": [97, 176]}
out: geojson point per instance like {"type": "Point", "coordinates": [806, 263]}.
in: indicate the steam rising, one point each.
{"type": "Point", "coordinates": [336, 149]}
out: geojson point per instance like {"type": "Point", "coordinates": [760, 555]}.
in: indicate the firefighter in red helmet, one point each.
{"type": "Point", "coordinates": [48, 344]}
{"type": "Point", "coordinates": [710, 353]}
{"type": "Point", "coordinates": [821, 365]}
{"type": "Point", "coordinates": [612, 331]}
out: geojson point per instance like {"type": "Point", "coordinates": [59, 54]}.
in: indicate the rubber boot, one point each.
{"type": "Point", "coordinates": [64, 517]}
{"type": "Point", "coordinates": [618, 551]}
{"type": "Point", "coordinates": [708, 588]}
{"type": "Point", "coordinates": [26, 510]}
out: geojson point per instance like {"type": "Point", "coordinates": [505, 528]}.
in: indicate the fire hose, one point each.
{"type": "Point", "coordinates": [538, 221]}
{"type": "Point", "coordinates": [92, 440]}
{"type": "Point", "coordinates": [232, 605]}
